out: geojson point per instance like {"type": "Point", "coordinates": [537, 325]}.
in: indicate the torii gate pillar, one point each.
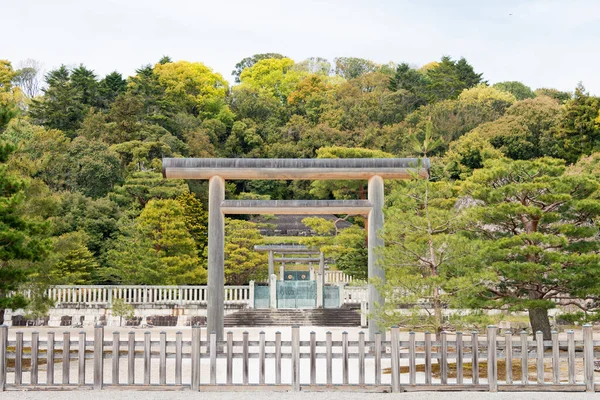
{"type": "Point", "coordinates": [216, 257]}
{"type": "Point", "coordinates": [375, 243]}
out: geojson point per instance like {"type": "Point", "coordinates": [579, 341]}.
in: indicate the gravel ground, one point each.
{"type": "Point", "coordinates": [151, 395]}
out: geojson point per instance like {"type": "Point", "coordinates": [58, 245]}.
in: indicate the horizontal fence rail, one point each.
{"type": "Point", "coordinates": [461, 361]}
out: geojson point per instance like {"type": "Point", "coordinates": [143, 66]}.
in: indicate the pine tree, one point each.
{"type": "Point", "coordinates": [21, 237]}
{"type": "Point", "coordinates": [539, 238]}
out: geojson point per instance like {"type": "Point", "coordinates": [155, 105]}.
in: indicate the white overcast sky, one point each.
{"type": "Point", "coordinates": [542, 43]}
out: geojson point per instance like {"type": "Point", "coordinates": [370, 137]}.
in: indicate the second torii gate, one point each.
{"type": "Point", "coordinates": [217, 170]}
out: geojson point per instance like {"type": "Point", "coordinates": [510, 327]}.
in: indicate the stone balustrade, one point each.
{"type": "Point", "coordinates": [139, 294]}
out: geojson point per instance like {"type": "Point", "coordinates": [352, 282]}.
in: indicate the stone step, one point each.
{"type": "Point", "coordinates": [288, 317]}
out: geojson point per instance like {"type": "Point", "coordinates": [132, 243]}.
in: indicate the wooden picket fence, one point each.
{"type": "Point", "coordinates": [453, 362]}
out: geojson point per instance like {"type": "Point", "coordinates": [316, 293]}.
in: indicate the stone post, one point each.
{"type": "Point", "coordinates": [251, 295]}
{"type": "Point", "coordinates": [363, 314]}
{"type": "Point", "coordinates": [281, 272]}
{"type": "Point", "coordinates": [216, 253]}
{"type": "Point", "coordinates": [271, 263]}
{"type": "Point", "coordinates": [321, 275]}
{"type": "Point", "coordinates": [319, 291]}
{"type": "Point", "coordinates": [273, 291]}
{"type": "Point", "coordinates": [311, 273]}
{"type": "Point", "coordinates": [375, 195]}
{"type": "Point", "coordinates": [341, 287]}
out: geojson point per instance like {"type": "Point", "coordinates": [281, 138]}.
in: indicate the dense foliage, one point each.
{"type": "Point", "coordinates": [85, 202]}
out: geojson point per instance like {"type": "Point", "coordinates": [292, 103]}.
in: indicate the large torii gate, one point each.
{"type": "Point", "coordinates": [217, 170]}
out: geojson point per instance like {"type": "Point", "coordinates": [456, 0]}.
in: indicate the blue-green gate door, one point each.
{"type": "Point", "coordinates": [331, 297]}
{"type": "Point", "coordinates": [296, 294]}
{"type": "Point", "coordinates": [261, 296]}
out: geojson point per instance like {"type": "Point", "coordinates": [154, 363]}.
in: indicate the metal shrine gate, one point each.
{"type": "Point", "coordinates": [296, 294]}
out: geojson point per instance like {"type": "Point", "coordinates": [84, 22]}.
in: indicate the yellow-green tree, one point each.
{"type": "Point", "coordinates": [10, 95]}
{"type": "Point", "coordinates": [163, 221]}
{"type": "Point", "coordinates": [195, 87]}
{"type": "Point", "coordinates": [272, 76]}
{"type": "Point", "coordinates": [156, 249]}
{"type": "Point", "coordinates": [242, 262]}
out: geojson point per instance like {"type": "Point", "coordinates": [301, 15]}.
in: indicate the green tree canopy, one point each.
{"type": "Point", "coordinates": [517, 89]}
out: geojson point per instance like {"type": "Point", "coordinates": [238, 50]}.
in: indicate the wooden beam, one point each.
{"type": "Point", "coordinates": [322, 207]}
{"type": "Point", "coordinates": [295, 168]}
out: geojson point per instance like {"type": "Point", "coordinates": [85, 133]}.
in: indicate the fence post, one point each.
{"type": "Point", "coordinates": [345, 358]}
{"type": "Point", "coordinates": [475, 357]}
{"type": "Point", "coordinates": [428, 358]}
{"type": "Point", "coordinates": [229, 358]}
{"type": "Point", "coordinates": [131, 358]}
{"type": "Point", "coordinates": [296, 358]}
{"type": "Point", "coordinates": [245, 355]}
{"type": "Point", "coordinates": [571, 355]}
{"type": "Point", "coordinates": [539, 342]}
{"type": "Point", "coordinates": [3, 345]}
{"type": "Point", "coordinates": [313, 358]}
{"type": "Point", "coordinates": [251, 294]}
{"type": "Point", "coordinates": [329, 358]}
{"type": "Point", "coordinates": [50, 359]}
{"type": "Point", "coordinates": [98, 357]}
{"type": "Point", "coordinates": [35, 344]}
{"type": "Point", "coordinates": [524, 358]}
{"type": "Point", "coordinates": [395, 360]}
{"type": "Point", "coordinates": [147, 357]}
{"type": "Point", "coordinates": [378, 358]}
{"type": "Point", "coordinates": [162, 369]}
{"type": "Point", "coordinates": [555, 359]}
{"type": "Point", "coordinates": [412, 359]}
{"type": "Point", "coordinates": [508, 354]}
{"type": "Point", "coordinates": [278, 358]}
{"type": "Point", "coordinates": [491, 359]}
{"type": "Point", "coordinates": [115, 357]}
{"type": "Point", "coordinates": [66, 368]}
{"type": "Point", "coordinates": [459, 358]}
{"type": "Point", "coordinates": [19, 359]}
{"type": "Point", "coordinates": [361, 358]}
{"type": "Point", "coordinates": [261, 358]}
{"type": "Point", "coordinates": [195, 358]}
{"type": "Point", "coordinates": [213, 358]}
{"type": "Point", "coordinates": [443, 360]}
{"type": "Point", "coordinates": [588, 358]}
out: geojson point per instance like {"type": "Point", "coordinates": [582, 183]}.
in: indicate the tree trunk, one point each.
{"type": "Point", "coordinates": [1, 316]}
{"type": "Point", "coordinates": [538, 317]}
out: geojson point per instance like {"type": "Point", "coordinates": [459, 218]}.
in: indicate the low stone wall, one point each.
{"type": "Point", "coordinates": [91, 315]}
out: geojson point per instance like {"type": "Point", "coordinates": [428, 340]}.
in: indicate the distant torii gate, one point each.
{"type": "Point", "coordinates": [217, 170]}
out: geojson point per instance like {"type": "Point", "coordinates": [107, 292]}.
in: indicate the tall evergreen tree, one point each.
{"type": "Point", "coordinates": [62, 105]}
{"type": "Point", "coordinates": [579, 130]}
{"type": "Point", "coordinates": [21, 237]}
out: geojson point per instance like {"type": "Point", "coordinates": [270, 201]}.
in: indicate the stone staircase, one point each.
{"type": "Point", "coordinates": [289, 317]}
